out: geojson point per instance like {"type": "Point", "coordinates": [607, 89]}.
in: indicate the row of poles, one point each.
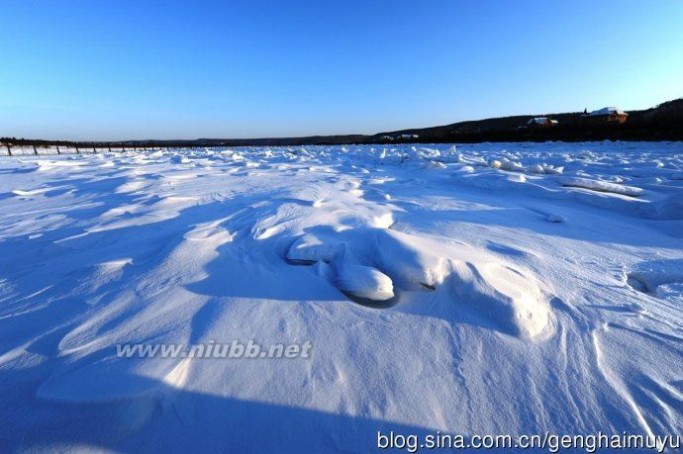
{"type": "Point", "coordinates": [78, 151]}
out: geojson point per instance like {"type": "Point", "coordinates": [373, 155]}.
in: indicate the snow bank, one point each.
{"type": "Point", "coordinates": [602, 186]}
{"type": "Point", "coordinates": [669, 208]}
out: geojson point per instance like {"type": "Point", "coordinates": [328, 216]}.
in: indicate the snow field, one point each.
{"type": "Point", "coordinates": [488, 288]}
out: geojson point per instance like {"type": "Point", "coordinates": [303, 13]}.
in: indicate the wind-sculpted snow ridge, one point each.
{"type": "Point", "coordinates": [471, 289]}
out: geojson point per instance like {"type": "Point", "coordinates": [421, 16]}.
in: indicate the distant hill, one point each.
{"type": "Point", "coordinates": [664, 122]}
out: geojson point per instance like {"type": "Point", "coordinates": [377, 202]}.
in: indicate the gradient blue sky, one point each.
{"type": "Point", "coordinates": [117, 69]}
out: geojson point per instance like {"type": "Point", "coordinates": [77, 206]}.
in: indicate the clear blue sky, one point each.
{"type": "Point", "coordinates": [133, 69]}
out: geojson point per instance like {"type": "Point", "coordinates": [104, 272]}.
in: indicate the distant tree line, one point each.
{"type": "Point", "coordinates": [664, 122]}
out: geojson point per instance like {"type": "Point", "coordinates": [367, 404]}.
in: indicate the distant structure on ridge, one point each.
{"type": "Point", "coordinates": [605, 115]}
{"type": "Point", "coordinates": [541, 122]}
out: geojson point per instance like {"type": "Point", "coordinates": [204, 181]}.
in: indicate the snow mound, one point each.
{"type": "Point", "coordinates": [509, 299]}
{"type": "Point", "coordinates": [601, 186]}
{"type": "Point", "coordinates": [536, 168]}
{"type": "Point", "coordinates": [511, 166]}
{"type": "Point", "coordinates": [660, 277]}
{"type": "Point", "coordinates": [551, 170]}
{"type": "Point", "coordinates": [29, 193]}
{"type": "Point", "coordinates": [180, 159]}
{"type": "Point", "coordinates": [503, 297]}
{"type": "Point", "coordinates": [436, 165]}
{"type": "Point", "coordinates": [407, 260]}
{"type": "Point", "coordinates": [517, 178]}
{"type": "Point", "coordinates": [364, 282]}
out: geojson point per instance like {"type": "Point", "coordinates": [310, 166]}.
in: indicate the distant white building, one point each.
{"type": "Point", "coordinates": [607, 115]}
{"type": "Point", "coordinates": [541, 122]}
{"type": "Point", "coordinates": [608, 111]}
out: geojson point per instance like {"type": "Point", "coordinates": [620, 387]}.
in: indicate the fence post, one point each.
{"type": "Point", "coordinates": [9, 151]}
{"type": "Point", "coordinates": [77, 151]}
{"type": "Point", "coordinates": [35, 150]}
{"type": "Point", "coordinates": [58, 152]}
